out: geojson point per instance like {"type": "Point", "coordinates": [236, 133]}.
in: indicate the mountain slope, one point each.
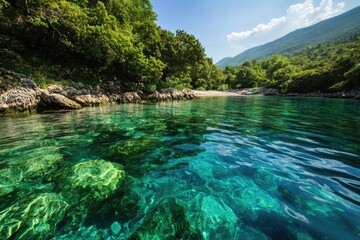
{"type": "Point", "coordinates": [334, 29]}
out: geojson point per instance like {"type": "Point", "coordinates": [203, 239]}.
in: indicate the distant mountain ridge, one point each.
{"type": "Point", "coordinates": [338, 28]}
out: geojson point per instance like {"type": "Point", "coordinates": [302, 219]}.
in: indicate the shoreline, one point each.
{"type": "Point", "coordinates": [19, 94]}
{"type": "Point", "coordinates": [354, 94]}
{"type": "Point", "coordinates": [198, 93]}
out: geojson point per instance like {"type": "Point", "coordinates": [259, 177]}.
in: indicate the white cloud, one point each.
{"type": "Point", "coordinates": [298, 16]}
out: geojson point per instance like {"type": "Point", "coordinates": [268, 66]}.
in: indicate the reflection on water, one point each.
{"type": "Point", "coordinates": [214, 168]}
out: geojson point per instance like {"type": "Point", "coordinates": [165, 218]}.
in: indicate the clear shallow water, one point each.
{"type": "Point", "coordinates": [214, 168]}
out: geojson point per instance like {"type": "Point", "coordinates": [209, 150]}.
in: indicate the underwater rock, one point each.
{"type": "Point", "coordinates": [252, 200]}
{"type": "Point", "coordinates": [166, 220]}
{"type": "Point", "coordinates": [40, 166]}
{"type": "Point", "coordinates": [86, 185]}
{"type": "Point", "coordinates": [17, 173]}
{"type": "Point", "coordinates": [122, 206]}
{"type": "Point", "coordinates": [313, 201]}
{"type": "Point", "coordinates": [34, 217]}
{"type": "Point", "coordinates": [219, 221]}
{"type": "Point", "coordinates": [9, 179]}
{"type": "Point", "coordinates": [244, 231]}
{"type": "Point", "coordinates": [115, 228]}
{"type": "Point", "coordinates": [133, 147]}
{"type": "Point", "coordinates": [92, 179]}
{"type": "Point", "coordinates": [267, 180]}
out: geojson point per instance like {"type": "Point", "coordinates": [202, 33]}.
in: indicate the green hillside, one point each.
{"type": "Point", "coordinates": [330, 67]}
{"type": "Point", "coordinates": [338, 28]}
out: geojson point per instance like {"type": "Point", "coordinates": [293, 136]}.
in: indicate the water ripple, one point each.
{"type": "Point", "coordinates": [217, 168]}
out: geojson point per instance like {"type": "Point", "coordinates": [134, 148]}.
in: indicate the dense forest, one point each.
{"type": "Point", "coordinates": [324, 67]}
{"type": "Point", "coordinates": [100, 41]}
{"type": "Point", "coordinates": [119, 42]}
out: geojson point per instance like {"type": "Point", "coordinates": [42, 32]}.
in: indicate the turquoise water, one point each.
{"type": "Point", "coordinates": [213, 168]}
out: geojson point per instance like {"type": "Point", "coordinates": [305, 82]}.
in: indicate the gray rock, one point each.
{"type": "Point", "coordinates": [130, 97]}
{"type": "Point", "coordinates": [91, 100]}
{"type": "Point", "coordinates": [159, 96]}
{"type": "Point", "coordinates": [57, 89]}
{"type": "Point", "coordinates": [28, 83]}
{"type": "Point", "coordinates": [53, 101]}
{"type": "Point", "coordinates": [18, 100]}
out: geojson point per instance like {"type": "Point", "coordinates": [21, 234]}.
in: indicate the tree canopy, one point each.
{"type": "Point", "coordinates": [109, 40]}
{"type": "Point", "coordinates": [118, 41]}
{"type": "Point", "coordinates": [327, 68]}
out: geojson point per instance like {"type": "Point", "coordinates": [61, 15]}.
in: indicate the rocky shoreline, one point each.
{"type": "Point", "coordinates": [19, 94]}
{"type": "Point", "coordinates": [353, 94]}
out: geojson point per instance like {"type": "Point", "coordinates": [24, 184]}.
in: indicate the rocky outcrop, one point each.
{"type": "Point", "coordinates": [18, 93]}
{"type": "Point", "coordinates": [130, 97]}
{"type": "Point", "coordinates": [354, 94]}
{"type": "Point", "coordinates": [91, 100]}
{"type": "Point", "coordinates": [54, 101]}
{"type": "Point", "coordinates": [258, 91]}
{"type": "Point", "coordinates": [19, 99]}
{"type": "Point", "coordinates": [169, 94]}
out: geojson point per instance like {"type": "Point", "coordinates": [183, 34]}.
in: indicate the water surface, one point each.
{"type": "Point", "coordinates": [213, 168]}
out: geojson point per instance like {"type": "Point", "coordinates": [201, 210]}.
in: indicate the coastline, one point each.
{"type": "Point", "coordinates": [198, 93]}
{"type": "Point", "coordinates": [353, 94]}
{"type": "Point", "coordinates": [19, 94]}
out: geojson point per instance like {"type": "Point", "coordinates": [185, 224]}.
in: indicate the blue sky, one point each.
{"type": "Point", "coordinates": [228, 27]}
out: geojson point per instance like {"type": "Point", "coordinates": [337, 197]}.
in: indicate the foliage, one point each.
{"type": "Point", "coordinates": [327, 68]}
{"type": "Point", "coordinates": [332, 30]}
{"type": "Point", "coordinates": [118, 41]}
{"type": "Point", "coordinates": [112, 40]}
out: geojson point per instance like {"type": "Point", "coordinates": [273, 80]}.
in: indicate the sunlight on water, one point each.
{"type": "Point", "coordinates": [214, 168]}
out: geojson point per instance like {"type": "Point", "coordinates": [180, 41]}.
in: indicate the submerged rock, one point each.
{"type": "Point", "coordinates": [18, 173]}
{"type": "Point", "coordinates": [40, 166]}
{"type": "Point", "coordinates": [34, 217]}
{"type": "Point", "coordinates": [92, 180]}
{"type": "Point", "coordinates": [219, 221]}
{"type": "Point", "coordinates": [115, 228]}
{"type": "Point", "coordinates": [133, 147]}
{"type": "Point", "coordinates": [166, 220]}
